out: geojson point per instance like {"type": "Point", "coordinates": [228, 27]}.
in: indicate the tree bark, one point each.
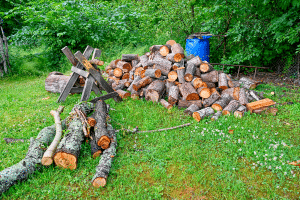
{"type": "Point", "coordinates": [223, 81]}
{"type": "Point", "coordinates": [56, 83]}
{"type": "Point", "coordinates": [170, 57]}
{"type": "Point", "coordinates": [180, 74]}
{"type": "Point", "coordinates": [231, 107]}
{"type": "Point", "coordinates": [166, 104]}
{"type": "Point", "coordinates": [186, 104]}
{"type": "Point", "coordinates": [196, 61]}
{"type": "Point", "coordinates": [210, 77]}
{"type": "Point", "coordinates": [248, 83]}
{"type": "Point", "coordinates": [155, 91]}
{"type": "Point", "coordinates": [179, 52]}
{"type": "Point", "coordinates": [191, 109]}
{"type": "Point", "coordinates": [243, 99]}
{"type": "Point", "coordinates": [123, 94]}
{"type": "Point", "coordinates": [153, 73]}
{"type": "Point", "coordinates": [95, 149]}
{"type": "Point", "coordinates": [113, 64]}
{"type": "Point", "coordinates": [142, 83]}
{"type": "Point", "coordinates": [136, 79]}
{"type": "Point", "coordinates": [188, 92]}
{"type": "Point", "coordinates": [210, 100]}
{"type": "Point", "coordinates": [222, 103]}
{"type": "Point", "coordinates": [189, 72]}
{"type": "Point", "coordinates": [129, 57]}
{"type": "Point", "coordinates": [197, 82]}
{"type": "Point", "coordinates": [155, 48]}
{"type": "Point", "coordinates": [205, 112]}
{"type": "Point", "coordinates": [173, 95]}
{"type": "Point", "coordinates": [163, 64]}
{"type": "Point", "coordinates": [125, 66]}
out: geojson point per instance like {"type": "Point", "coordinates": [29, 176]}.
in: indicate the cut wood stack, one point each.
{"type": "Point", "coordinates": [165, 75]}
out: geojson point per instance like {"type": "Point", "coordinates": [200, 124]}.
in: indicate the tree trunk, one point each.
{"type": "Point", "coordinates": [129, 57]}
{"type": "Point", "coordinates": [243, 99]}
{"type": "Point", "coordinates": [180, 74]}
{"type": "Point", "coordinates": [189, 72]}
{"type": "Point", "coordinates": [191, 109]}
{"type": "Point", "coordinates": [142, 83]}
{"type": "Point", "coordinates": [153, 73]}
{"type": "Point", "coordinates": [196, 61]}
{"type": "Point", "coordinates": [3, 55]}
{"type": "Point", "coordinates": [103, 168]}
{"type": "Point", "coordinates": [188, 92]}
{"type": "Point", "coordinates": [239, 113]}
{"type": "Point", "coordinates": [173, 95]}
{"type": "Point", "coordinates": [172, 76]}
{"type": "Point", "coordinates": [222, 103]}
{"type": "Point", "coordinates": [248, 83]}
{"type": "Point", "coordinates": [206, 67]}
{"type": "Point", "coordinates": [216, 116]}
{"type": "Point", "coordinates": [101, 133]}
{"type": "Point", "coordinates": [231, 107]}
{"type": "Point", "coordinates": [205, 112]}
{"type": "Point", "coordinates": [223, 81]}
{"type": "Point", "coordinates": [155, 91]}
{"type": "Point", "coordinates": [56, 83]}
{"type": "Point", "coordinates": [186, 104]}
{"type": "Point", "coordinates": [166, 104]}
{"type": "Point", "coordinates": [123, 94]}
{"type": "Point", "coordinates": [163, 64]}
{"type": "Point", "coordinates": [210, 77]}
{"type": "Point", "coordinates": [259, 104]}
{"type": "Point", "coordinates": [165, 50]}
{"type": "Point", "coordinates": [210, 100]}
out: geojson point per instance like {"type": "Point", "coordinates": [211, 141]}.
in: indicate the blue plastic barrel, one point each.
{"type": "Point", "coordinates": [198, 47]}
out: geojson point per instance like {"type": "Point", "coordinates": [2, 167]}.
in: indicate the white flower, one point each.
{"type": "Point", "coordinates": [294, 175]}
{"type": "Point", "coordinates": [277, 186]}
{"type": "Point", "coordinates": [239, 141]}
{"type": "Point", "coordinates": [240, 149]}
{"type": "Point", "coordinates": [279, 167]}
{"type": "Point", "coordinates": [146, 135]}
{"type": "Point", "coordinates": [275, 158]}
{"type": "Point", "coordinates": [233, 168]}
{"type": "Point", "coordinates": [285, 173]}
{"type": "Point", "coordinates": [244, 142]}
{"type": "Point", "coordinates": [270, 167]}
{"type": "Point", "coordinates": [276, 133]}
{"type": "Point", "coordinates": [254, 152]}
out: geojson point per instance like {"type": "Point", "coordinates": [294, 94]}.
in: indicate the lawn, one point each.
{"type": "Point", "coordinates": [202, 161]}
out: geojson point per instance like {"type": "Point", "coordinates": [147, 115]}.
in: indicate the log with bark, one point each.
{"type": "Point", "coordinates": [197, 82]}
{"type": "Point", "coordinates": [165, 50]}
{"type": "Point", "coordinates": [239, 113]}
{"type": "Point", "coordinates": [191, 109]}
{"type": "Point", "coordinates": [172, 76]}
{"type": "Point", "coordinates": [142, 83]}
{"type": "Point", "coordinates": [231, 107]}
{"type": "Point", "coordinates": [222, 103]}
{"type": "Point", "coordinates": [129, 57]}
{"type": "Point", "coordinates": [153, 73]}
{"type": "Point", "coordinates": [186, 104]}
{"type": "Point", "coordinates": [205, 112]}
{"type": "Point", "coordinates": [166, 104]}
{"type": "Point", "coordinates": [155, 91]}
{"type": "Point", "coordinates": [173, 96]}
{"type": "Point", "coordinates": [155, 48]}
{"type": "Point", "coordinates": [189, 72]}
{"type": "Point", "coordinates": [163, 64]}
{"type": "Point", "coordinates": [56, 82]}
{"type": "Point", "coordinates": [95, 149]}
{"type": "Point", "coordinates": [196, 61]}
{"type": "Point", "coordinates": [243, 99]}
{"type": "Point", "coordinates": [223, 81]}
{"type": "Point", "coordinates": [206, 67]}
{"type": "Point", "coordinates": [210, 100]}
{"type": "Point", "coordinates": [216, 116]}
{"type": "Point", "coordinates": [171, 42]}
{"type": "Point", "coordinates": [204, 92]}
{"type": "Point", "coordinates": [123, 94]}
{"type": "Point", "coordinates": [180, 74]}
{"type": "Point", "coordinates": [248, 83]}
{"type": "Point", "coordinates": [259, 104]}
{"type": "Point", "coordinates": [188, 92]}
{"type": "Point", "coordinates": [124, 66]}
{"type": "Point", "coordinates": [210, 77]}
{"type": "Point", "coordinates": [178, 51]}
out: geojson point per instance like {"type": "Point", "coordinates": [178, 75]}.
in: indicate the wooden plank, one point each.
{"type": "Point", "coordinates": [96, 74]}
{"type": "Point", "coordinates": [70, 55]}
{"type": "Point", "coordinates": [87, 53]}
{"type": "Point", "coordinates": [97, 53]}
{"type": "Point", "coordinates": [259, 104]}
{"type": "Point", "coordinates": [96, 89]}
{"type": "Point", "coordinates": [80, 72]}
{"type": "Point", "coordinates": [76, 90]}
{"type": "Point", "coordinates": [105, 97]}
{"type": "Point", "coordinates": [87, 88]}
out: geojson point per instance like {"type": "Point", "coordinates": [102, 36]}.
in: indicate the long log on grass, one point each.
{"type": "Point", "coordinates": [222, 103]}
{"type": "Point", "coordinates": [231, 107]}
{"type": "Point", "coordinates": [186, 104]}
{"type": "Point", "coordinates": [103, 168]}
{"type": "Point", "coordinates": [48, 155]}
{"type": "Point", "coordinates": [198, 115]}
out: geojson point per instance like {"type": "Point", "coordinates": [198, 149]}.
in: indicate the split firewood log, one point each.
{"type": "Point", "coordinates": [171, 42]}
{"type": "Point", "coordinates": [243, 99]}
{"type": "Point", "coordinates": [189, 72]}
{"type": "Point", "coordinates": [259, 104]}
{"type": "Point", "coordinates": [186, 104]}
{"type": "Point", "coordinates": [179, 52]}
{"type": "Point", "coordinates": [168, 84]}
{"type": "Point", "coordinates": [155, 91]}
{"type": "Point", "coordinates": [129, 57]}
{"type": "Point", "coordinates": [166, 104]}
{"type": "Point", "coordinates": [153, 73]}
{"type": "Point", "coordinates": [165, 50]}
{"type": "Point", "coordinates": [239, 113]}
{"type": "Point", "coordinates": [205, 112]}
{"type": "Point", "coordinates": [204, 92]}
{"type": "Point", "coordinates": [191, 109]}
{"type": "Point", "coordinates": [216, 116]}
{"type": "Point", "coordinates": [210, 100]}
{"type": "Point", "coordinates": [101, 133]}
{"type": "Point", "coordinates": [222, 102]}
{"type": "Point", "coordinates": [223, 81]}
{"type": "Point", "coordinates": [206, 67]}
{"type": "Point", "coordinates": [173, 96]}
{"type": "Point", "coordinates": [172, 76]}
{"type": "Point", "coordinates": [252, 93]}
{"type": "Point", "coordinates": [188, 92]}
{"type": "Point", "coordinates": [103, 168]}
{"type": "Point", "coordinates": [123, 94]}
{"type": "Point", "coordinates": [196, 61]}
{"type": "Point", "coordinates": [180, 74]}
{"type": "Point", "coordinates": [231, 107]}
{"type": "Point", "coordinates": [113, 64]}
{"type": "Point", "coordinates": [136, 79]}
{"type": "Point", "coordinates": [142, 83]}
{"type": "Point", "coordinates": [210, 77]}
{"type": "Point", "coordinates": [248, 83]}
{"type": "Point", "coordinates": [155, 48]}
{"type": "Point", "coordinates": [48, 155]}
{"type": "Point", "coordinates": [233, 92]}
{"type": "Point", "coordinates": [163, 64]}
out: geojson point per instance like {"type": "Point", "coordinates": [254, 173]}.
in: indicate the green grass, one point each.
{"type": "Point", "coordinates": [202, 160]}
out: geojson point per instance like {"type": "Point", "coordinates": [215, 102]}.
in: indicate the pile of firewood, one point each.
{"type": "Point", "coordinates": [167, 76]}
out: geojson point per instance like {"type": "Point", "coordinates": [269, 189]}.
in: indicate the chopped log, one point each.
{"type": "Point", "coordinates": [172, 76]}
{"type": "Point", "coordinates": [216, 116]}
{"type": "Point", "coordinates": [134, 63]}
{"type": "Point", "coordinates": [233, 92]}
{"type": "Point", "coordinates": [56, 83]}
{"type": "Point", "coordinates": [118, 72]}
{"type": "Point", "coordinates": [191, 109]}
{"type": "Point", "coordinates": [179, 52]}
{"type": "Point", "coordinates": [95, 149]}
{"type": "Point", "coordinates": [142, 83]}
{"type": "Point", "coordinates": [170, 57]}
{"type": "Point", "coordinates": [197, 72]}
{"type": "Point", "coordinates": [189, 72]}
{"type": "Point", "coordinates": [210, 85]}
{"type": "Point", "coordinates": [138, 71]}
{"type": "Point", "coordinates": [96, 62]}
{"type": "Point", "coordinates": [204, 92]}
{"type": "Point", "coordinates": [177, 65]}
{"type": "Point", "coordinates": [129, 57]}
{"type": "Point", "coordinates": [118, 86]}
{"type": "Point", "coordinates": [155, 48]}
{"type": "Point", "coordinates": [206, 67]}
{"type": "Point", "coordinates": [142, 74]}
{"type": "Point", "coordinates": [210, 77]}
{"type": "Point", "coordinates": [197, 82]}
{"type": "Point", "coordinates": [155, 91]}
{"type": "Point", "coordinates": [188, 92]}
{"type": "Point", "coordinates": [231, 107]}
{"type": "Point", "coordinates": [128, 82]}
{"type": "Point", "coordinates": [108, 69]}
{"type": "Point", "coordinates": [125, 76]}
{"type": "Point", "coordinates": [205, 112]}
{"type": "Point", "coordinates": [142, 92]}
{"type": "Point", "coordinates": [166, 104]}
{"type": "Point", "coordinates": [169, 84]}
{"type": "Point", "coordinates": [243, 99]}
{"type": "Point", "coordinates": [136, 79]}
{"type": "Point", "coordinates": [103, 168]}
{"type": "Point", "coordinates": [254, 95]}
{"type": "Point", "coordinates": [173, 96]}
{"type": "Point", "coordinates": [123, 94]}
{"type": "Point", "coordinates": [190, 57]}
{"type": "Point", "coordinates": [163, 64]}
{"type": "Point", "coordinates": [125, 66]}
{"type": "Point", "coordinates": [171, 42]}
{"type": "Point", "coordinates": [180, 74]}
{"type": "Point", "coordinates": [210, 100]}
{"type": "Point", "coordinates": [223, 81]}
{"type": "Point", "coordinates": [111, 73]}
{"type": "Point", "coordinates": [222, 103]}
{"type": "Point", "coordinates": [248, 83]}
{"type": "Point", "coordinates": [113, 64]}
{"type": "Point", "coordinates": [186, 104]}
{"type": "Point", "coordinates": [239, 113]}
{"type": "Point", "coordinates": [196, 61]}
{"type": "Point", "coordinates": [135, 94]}
{"type": "Point", "coordinates": [48, 155]}
{"type": "Point", "coordinates": [153, 73]}
{"type": "Point", "coordinates": [165, 50]}
{"type": "Point", "coordinates": [259, 104]}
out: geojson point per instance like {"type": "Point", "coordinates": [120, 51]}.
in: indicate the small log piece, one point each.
{"type": "Point", "coordinates": [239, 113]}
{"type": "Point", "coordinates": [166, 104]}
{"type": "Point", "coordinates": [134, 63]}
{"type": "Point", "coordinates": [96, 62]}
{"type": "Point", "coordinates": [209, 85]}
{"type": "Point", "coordinates": [223, 81]}
{"type": "Point", "coordinates": [125, 66]}
{"type": "Point", "coordinates": [188, 92]}
{"type": "Point", "coordinates": [196, 61]}
{"type": "Point", "coordinates": [129, 57]}
{"type": "Point", "coordinates": [179, 52]}
{"type": "Point", "coordinates": [155, 91]}
{"type": "Point", "coordinates": [205, 112]}
{"type": "Point", "coordinates": [113, 63]}
{"type": "Point", "coordinates": [216, 116]}
{"type": "Point", "coordinates": [123, 94]}
{"type": "Point", "coordinates": [136, 79]}
{"type": "Point", "coordinates": [180, 74]}
{"type": "Point", "coordinates": [173, 95]}
{"type": "Point", "coordinates": [231, 107]}
{"type": "Point", "coordinates": [248, 83]}
{"type": "Point", "coordinates": [243, 99]}
{"type": "Point", "coordinates": [163, 64]}
{"type": "Point", "coordinates": [153, 73]}
{"type": "Point", "coordinates": [189, 72]}
{"type": "Point", "coordinates": [210, 77]}
{"type": "Point", "coordinates": [155, 48]}
{"type": "Point", "coordinates": [259, 104]}
{"type": "Point", "coordinates": [170, 57]}
{"type": "Point", "coordinates": [210, 100]}
{"type": "Point", "coordinates": [256, 97]}
{"type": "Point", "coordinates": [95, 149]}
{"type": "Point", "coordinates": [204, 92]}
{"type": "Point", "coordinates": [56, 83]}
{"type": "Point", "coordinates": [186, 104]}
{"type": "Point", "coordinates": [118, 72]}
{"type": "Point", "coordinates": [222, 103]}
{"type": "Point", "coordinates": [191, 109]}
{"type": "Point", "coordinates": [197, 82]}
{"type": "Point", "coordinates": [142, 83]}
{"type": "Point", "coordinates": [165, 50]}
{"type": "Point", "coordinates": [197, 72]}
{"type": "Point", "coordinates": [171, 42]}
{"type": "Point", "coordinates": [169, 84]}
{"type": "Point", "coordinates": [172, 76]}
{"type": "Point", "coordinates": [206, 67]}
{"type": "Point", "coordinates": [125, 76]}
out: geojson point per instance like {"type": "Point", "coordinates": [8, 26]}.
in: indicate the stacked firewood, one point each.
{"type": "Point", "coordinates": [166, 75]}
